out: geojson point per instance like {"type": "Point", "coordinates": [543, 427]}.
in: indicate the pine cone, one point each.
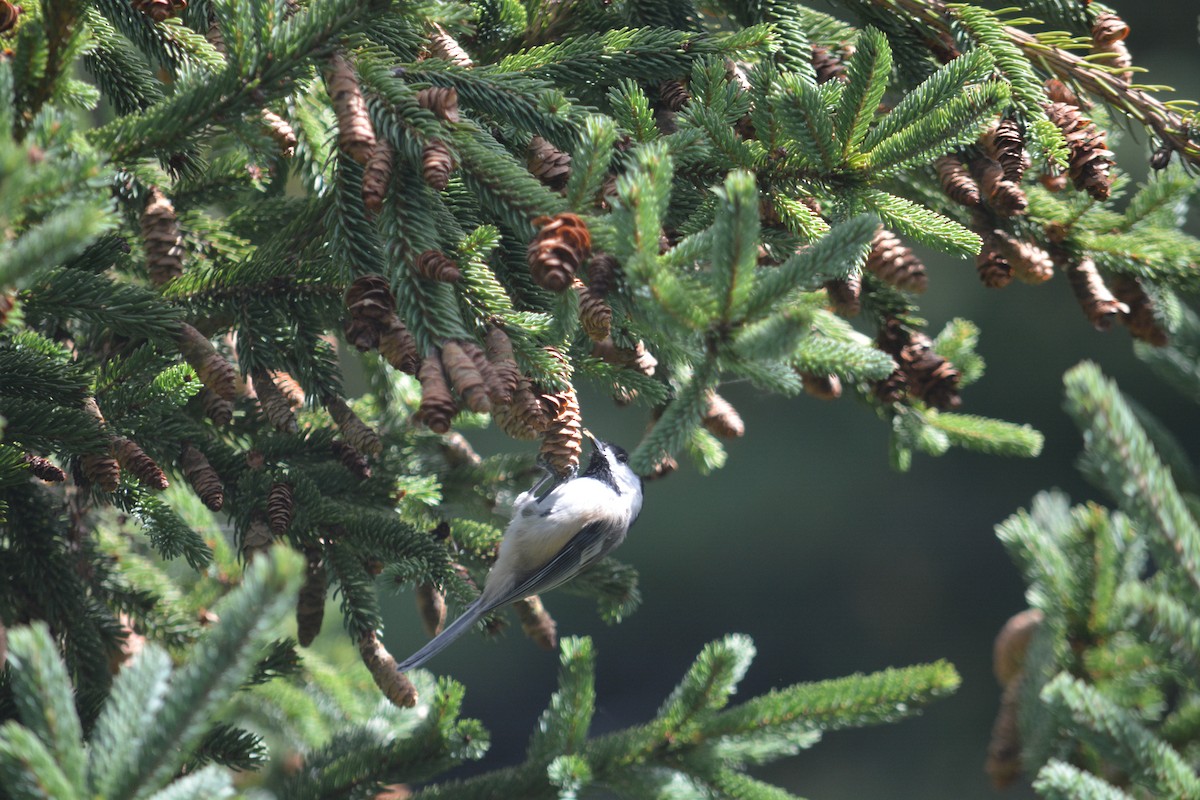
{"type": "Point", "coordinates": [1005, 144]}
{"type": "Point", "coordinates": [504, 366]}
{"type": "Point", "coordinates": [465, 377]}
{"type": "Point", "coordinates": [436, 164]}
{"type": "Point", "coordinates": [163, 241]}
{"type": "Point", "coordinates": [8, 20]}
{"type": "Point", "coordinates": [441, 100]}
{"type": "Point", "coordinates": [289, 387]}
{"type": "Point", "coordinates": [893, 388]}
{"type": "Point", "coordinates": [1160, 159]}
{"type": "Point", "coordinates": [1059, 92]}
{"type": "Point", "coordinates": [370, 297]}
{"type": "Point", "coordinates": [258, 539]}
{"type": "Point", "coordinates": [845, 295]}
{"type": "Point", "coordinates": [1003, 763]}
{"type": "Point", "coordinates": [431, 606]}
{"type": "Point", "coordinates": [44, 468]}
{"type": "Point", "coordinates": [1097, 302]}
{"type": "Point", "coordinates": [1005, 197]}
{"type": "Point", "coordinates": [495, 389]}
{"type": "Point", "coordinates": [398, 347]}
{"type": "Point", "coordinates": [133, 459]}
{"type": "Point", "coordinates": [357, 433]}
{"type": "Point", "coordinates": [203, 478]}
{"type": "Point", "coordinates": [376, 175]}
{"type": "Point", "coordinates": [828, 65]}
{"type": "Point", "coordinates": [896, 264]}
{"type": "Point", "coordinates": [101, 469]}
{"type": "Point", "coordinates": [356, 136]}
{"type": "Point", "coordinates": [437, 404]}
{"type": "Point", "coordinates": [394, 684]}
{"type": "Point", "coordinates": [639, 358]}
{"type": "Point", "coordinates": [674, 94]}
{"type": "Point", "coordinates": [927, 375]}
{"type": "Point", "coordinates": [722, 419]}
{"type": "Point", "coordinates": [275, 405]}
{"type": "Point", "coordinates": [354, 461]}
{"type": "Point", "coordinates": [1108, 31]}
{"type": "Point", "coordinates": [994, 270]}
{"type": "Point", "coordinates": [558, 249]}
{"type": "Point", "coordinates": [160, 10]}
{"type": "Point", "coordinates": [537, 623]}
{"type": "Point", "coordinates": [214, 370]}
{"type": "Point", "coordinates": [548, 164]}
{"type": "Point", "coordinates": [825, 387]}
{"type": "Point", "coordinates": [663, 467]}
{"type": "Point", "coordinates": [562, 443]}
{"type": "Point", "coordinates": [602, 273]}
{"type": "Point", "coordinates": [1012, 643]}
{"type": "Point", "coordinates": [443, 45]}
{"type": "Point", "coordinates": [956, 181]}
{"type": "Point", "coordinates": [527, 417]}
{"type": "Point", "coordinates": [310, 604]}
{"type": "Point", "coordinates": [281, 506]}
{"type": "Point", "coordinates": [218, 409]}
{"type": "Point", "coordinates": [594, 313]}
{"type": "Point", "coordinates": [1029, 263]}
{"type": "Point", "coordinates": [434, 265]}
{"type": "Point", "coordinates": [1090, 161]}
{"type": "Point", "coordinates": [281, 131]}
{"type": "Point", "coordinates": [1140, 319]}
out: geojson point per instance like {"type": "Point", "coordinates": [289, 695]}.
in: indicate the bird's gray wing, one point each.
{"type": "Point", "coordinates": [589, 545]}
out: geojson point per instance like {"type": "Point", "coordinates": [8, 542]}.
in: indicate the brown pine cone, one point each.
{"type": "Point", "coordinates": [394, 684]}
{"type": "Point", "coordinates": [956, 181]}
{"type": "Point", "coordinates": [1098, 303]}
{"type": "Point", "coordinates": [527, 417]}
{"type": "Point", "coordinates": [595, 315]}
{"type": "Point", "coordinates": [162, 239]}
{"type": "Point", "coordinates": [1108, 31]}
{"type": "Point", "coordinates": [722, 419]}
{"type": "Point", "coordinates": [398, 347]}
{"type": "Point", "coordinates": [377, 173]}
{"type": "Point", "coordinates": [562, 443]}
{"type": "Point", "coordinates": [896, 264]}
{"type": "Point", "coordinates": [214, 370]}
{"type": "Point", "coordinates": [465, 377]}
{"type": "Point", "coordinates": [548, 164]}
{"type": "Point", "coordinates": [1090, 160]}
{"type": "Point", "coordinates": [133, 459]}
{"type": "Point", "coordinates": [370, 297]}
{"type": "Point", "coordinates": [275, 405]}
{"type": "Point", "coordinates": [441, 100]}
{"type": "Point", "coordinates": [257, 539]}
{"type": "Point", "coordinates": [44, 468]}
{"type": "Point", "coordinates": [674, 94]}
{"type": "Point", "coordinates": [1012, 643]}
{"type": "Point", "coordinates": [356, 136]}
{"type": "Point", "coordinates": [281, 506]}
{"type": "Point", "coordinates": [537, 623]}
{"type": "Point", "coordinates": [1005, 197]}
{"type": "Point", "coordinates": [218, 409]}
{"type": "Point", "coordinates": [431, 607]}
{"type": "Point", "coordinates": [504, 366]}
{"type": "Point", "coordinates": [436, 164]}
{"type": "Point", "coordinates": [557, 250]}
{"type": "Point", "coordinates": [357, 433]}
{"type": "Point", "coordinates": [1003, 763]}
{"type": "Point", "coordinates": [281, 131]}
{"type": "Point", "coordinates": [434, 265]}
{"type": "Point", "coordinates": [101, 469]}
{"type": "Point", "coordinates": [158, 10]}
{"type": "Point", "coordinates": [354, 462]}
{"type": "Point", "coordinates": [203, 478]}
{"type": "Point", "coordinates": [1005, 144]}
{"type": "Point", "coordinates": [310, 604]}
{"type": "Point", "coordinates": [9, 12]}
{"type": "Point", "coordinates": [443, 45]}
{"type": "Point", "coordinates": [602, 273]}
{"type": "Point", "coordinates": [825, 387]}
{"type": "Point", "coordinates": [437, 404]}
{"type": "Point", "coordinates": [1140, 319]}
{"type": "Point", "coordinates": [828, 65]}
{"type": "Point", "coordinates": [927, 375]}
{"type": "Point", "coordinates": [289, 387]}
{"type": "Point", "coordinates": [845, 295]}
{"type": "Point", "coordinates": [994, 270]}
{"type": "Point", "coordinates": [1029, 263]}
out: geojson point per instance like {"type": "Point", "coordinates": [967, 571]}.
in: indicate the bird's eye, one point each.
{"type": "Point", "coordinates": [623, 457]}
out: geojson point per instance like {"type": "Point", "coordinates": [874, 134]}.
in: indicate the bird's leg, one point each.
{"type": "Point", "coordinates": [551, 476]}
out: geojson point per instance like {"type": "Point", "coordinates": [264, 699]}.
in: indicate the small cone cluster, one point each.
{"type": "Point", "coordinates": [258, 539]}
{"type": "Point", "coordinates": [956, 181]}
{"type": "Point", "coordinates": [722, 419]}
{"type": "Point", "coordinates": [1108, 34]}
{"type": "Point", "coordinates": [443, 45]}
{"type": "Point", "coordinates": [373, 323]}
{"type": "Point", "coordinates": [894, 263]}
{"type": "Point", "coordinates": [1090, 161]}
{"type": "Point", "coordinates": [994, 270]}
{"type": "Point", "coordinates": [595, 314]}
{"type": "Point", "coordinates": [276, 406]}
{"type": "Point", "coordinates": [824, 387]}
{"type": "Point", "coordinates": [537, 623]}
{"type": "Point", "coordinates": [360, 435]}
{"type": "Point", "coordinates": [1029, 263]}
{"type": "Point", "coordinates": [434, 265]}
{"type": "Point", "coordinates": [1098, 303]}
{"type": "Point", "coordinates": [548, 164]}
{"type": "Point", "coordinates": [214, 370]}
{"type": "Point", "coordinates": [560, 246]}
{"type": "Point", "coordinates": [562, 443]}
{"type": "Point", "coordinates": [377, 173]}
{"type": "Point", "coordinates": [437, 163]}
{"type": "Point", "coordinates": [1008, 662]}
{"type": "Point", "coordinates": [217, 408]}
{"type": "Point", "coordinates": [845, 295]}
{"type": "Point", "coordinates": [203, 478]}
{"type": "Point", "coordinates": [437, 404]}
{"type": "Point", "coordinates": [441, 100]}
{"type": "Point", "coordinates": [160, 10]}
{"type": "Point", "coordinates": [281, 507]}
{"type": "Point", "coordinates": [133, 459]}
{"type": "Point", "coordinates": [431, 607]}
{"type": "Point", "coordinates": [44, 468]}
{"type": "Point", "coordinates": [354, 462]}
{"type": "Point", "coordinates": [281, 131]}
{"type": "Point", "coordinates": [162, 239]}
{"type": "Point", "coordinates": [356, 136]}
{"type": "Point", "coordinates": [1005, 144]}
{"type": "Point", "coordinates": [675, 94]}
{"type": "Point", "coordinates": [394, 684]}
{"type": "Point", "coordinates": [1002, 195]}
{"type": "Point", "coordinates": [602, 273]}
{"type": "Point", "coordinates": [1141, 320]}
{"type": "Point", "coordinates": [310, 604]}
{"type": "Point", "coordinates": [926, 374]}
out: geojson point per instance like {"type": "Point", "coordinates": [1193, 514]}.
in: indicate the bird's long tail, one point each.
{"type": "Point", "coordinates": [437, 644]}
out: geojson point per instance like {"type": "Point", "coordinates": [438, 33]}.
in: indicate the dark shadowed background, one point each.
{"type": "Point", "coordinates": [829, 560]}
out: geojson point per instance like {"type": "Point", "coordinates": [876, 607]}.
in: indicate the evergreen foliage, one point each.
{"type": "Point", "coordinates": [206, 208]}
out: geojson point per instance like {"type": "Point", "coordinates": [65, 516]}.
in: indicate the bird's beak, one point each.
{"type": "Point", "coordinates": [591, 438]}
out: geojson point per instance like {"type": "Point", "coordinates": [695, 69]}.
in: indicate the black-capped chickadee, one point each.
{"type": "Point", "coordinates": [553, 538]}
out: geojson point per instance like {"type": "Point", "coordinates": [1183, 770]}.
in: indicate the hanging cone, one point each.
{"type": "Point", "coordinates": [1012, 643]}
{"type": "Point", "coordinates": [1005, 144]}
{"type": "Point", "coordinates": [280, 507]}
{"type": "Point", "coordinates": [218, 409]}
{"type": "Point", "coordinates": [504, 366]}
{"type": "Point", "coordinates": [548, 164]}
{"type": "Point", "coordinates": [562, 443]}
{"type": "Point", "coordinates": [1108, 33]}
{"type": "Point", "coordinates": [8, 20]}
{"type": "Point", "coordinates": [1140, 319]}
{"type": "Point", "coordinates": [926, 374]}
{"type": "Point", "coordinates": [722, 419]}
{"type": "Point", "coordinates": [288, 387]}
{"type": "Point", "coordinates": [537, 623]}
{"type": "Point", "coordinates": [994, 270]}
{"type": "Point", "coordinates": [602, 273]}
{"type": "Point", "coordinates": [437, 404]}
{"type": "Point", "coordinates": [370, 297]}
{"type": "Point", "coordinates": [394, 684]}
{"type": "Point", "coordinates": [663, 467]}
{"type": "Point", "coordinates": [101, 469]}
{"type": "Point", "coordinates": [434, 265]}
{"type": "Point", "coordinates": [845, 295]}
{"type": "Point", "coordinates": [203, 478]}
{"type": "Point", "coordinates": [595, 315]}
{"type": "Point", "coordinates": [527, 418]}
{"type": "Point", "coordinates": [398, 347]}
{"type": "Point", "coordinates": [493, 387]}
{"type": "Point", "coordinates": [1090, 162]}
{"type": "Point", "coordinates": [441, 100]}
{"type": "Point", "coordinates": [162, 239]}
{"type": "Point", "coordinates": [674, 94]}
{"type": "Point", "coordinates": [893, 388]}
{"type": "Point", "coordinates": [557, 250]}
{"type": "Point", "coordinates": [360, 436]}
{"type": "Point", "coordinates": [436, 164]}
{"type": "Point", "coordinates": [281, 131]}
{"type": "Point", "coordinates": [956, 181]}
{"type": "Point", "coordinates": [639, 358]}
{"type": "Point", "coordinates": [1029, 263]}
{"type": "Point", "coordinates": [356, 136]}
{"type": "Point", "coordinates": [214, 370]}
{"type": "Point", "coordinates": [828, 65]}
{"type": "Point", "coordinates": [825, 387]}
{"type": "Point", "coordinates": [1003, 763]}
{"type": "Point", "coordinates": [458, 451]}
{"type": "Point", "coordinates": [1003, 196]}
{"type": "Point", "coordinates": [896, 264]}
{"type": "Point", "coordinates": [465, 377]}
{"type": "Point", "coordinates": [44, 468]}
{"type": "Point", "coordinates": [1097, 302]}
{"type": "Point", "coordinates": [443, 45]}
{"type": "Point", "coordinates": [275, 405]}
{"type": "Point", "coordinates": [133, 459]}
{"type": "Point", "coordinates": [160, 10]}
{"type": "Point", "coordinates": [257, 540]}
{"type": "Point", "coordinates": [310, 604]}
{"type": "Point", "coordinates": [431, 606]}
{"type": "Point", "coordinates": [377, 173]}
{"type": "Point", "coordinates": [354, 461]}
